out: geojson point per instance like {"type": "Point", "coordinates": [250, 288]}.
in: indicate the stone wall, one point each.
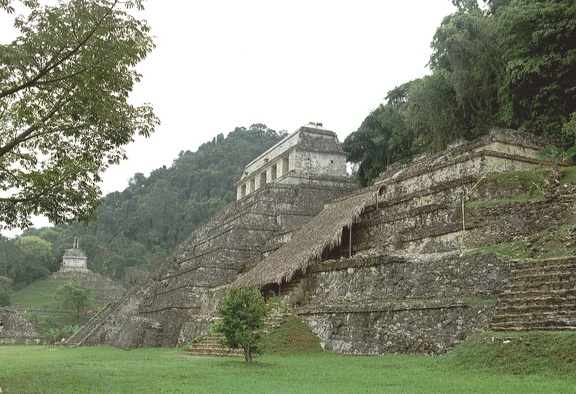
{"type": "Point", "coordinates": [410, 286]}
{"type": "Point", "coordinates": [401, 304]}
{"type": "Point", "coordinates": [16, 330]}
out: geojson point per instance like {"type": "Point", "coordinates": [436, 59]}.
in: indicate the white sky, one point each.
{"type": "Point", "coordinates": [220, 64]}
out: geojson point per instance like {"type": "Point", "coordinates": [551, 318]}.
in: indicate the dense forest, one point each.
{"type": "Point", "coordinates": [507, 63]}
{"type": "Point", "coordinates": [138, 227]}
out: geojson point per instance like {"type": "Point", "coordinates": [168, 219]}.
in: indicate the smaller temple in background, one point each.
{"type": "Point", "coordinates": [74, 259]}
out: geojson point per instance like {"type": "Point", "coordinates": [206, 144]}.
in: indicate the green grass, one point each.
{"type": "Point", "coordinates": [568, 174]}
{"type": "Point", "coordinates": [108, 370]}
{"type": "Point", "coordinates": [292, 337]}
{"type": "Point", "coordinates": [40, 294]}
{"type": "Point", "coordinates": [512, 250]}
{"type": "Point", "coordinates": [39, 303]}
{"type": "Point", "coordinates": [518, 353]}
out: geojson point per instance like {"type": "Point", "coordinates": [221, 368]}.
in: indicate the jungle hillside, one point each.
{"type": "Point", "coordinates": [138, 227]}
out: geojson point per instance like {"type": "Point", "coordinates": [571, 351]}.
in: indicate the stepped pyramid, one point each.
{"type": "Point", "coordinates": [74, 268]}
{"type": "Point", "coordinates": [277, 194]}
{"type": "Point", "coordinates": [383, 270]}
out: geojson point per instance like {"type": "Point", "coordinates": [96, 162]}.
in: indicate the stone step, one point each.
{"type": "Point", "coordinates": [535, 324]}
{"type": "Point", "coordinates": [535, 327]}
{"type": "Point", "coordinates": [556, 317]}
{"type": "Point", "coordinates": [78, 338]}
{"type": "Point", "coordinates": [274, 321]}
{"type": "Point", "coordinates": [544, 271]}
{"type": "Point", "coordinates": [568, 278]}
{"type": "Point", "coordinates": [507, 295]}
{"type": "Point", "coordinates": [568, 270]}
{"type": "Point", "coordinates": [540, 302]}
{"type": "Point", "coordinates": [540, 295]}
{"type": "Point", "coordinates": [509, 309]}
{"type": "Point", "coordinates": [210, 343]}
{"type": "Point", "coordinates": [524, 264]}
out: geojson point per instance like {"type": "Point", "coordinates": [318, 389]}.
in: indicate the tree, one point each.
{"type": "Point", "coordinates": [383, 137]}
{"type": "Point", "coordinates": [510, 63]}
{"type": "Point", "coordinates": [466, 54]}
{"type": "Point", "coordinates": [242, 313]}
{"type": "Point", "coordinates": [5, 290]}
{"type": "Point", "coordinates": [33, 262]}
{"type": "Point", "coordinates": [433, 114]}
{"type": "Point", "coordinates": [75, 296]}
{"type": "Point", "coordinates": [538, 88]}
{"type": "Point", "coordinates": [64, 110]}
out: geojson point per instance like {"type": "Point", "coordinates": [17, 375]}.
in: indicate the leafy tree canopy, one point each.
{"type": "Point", "coordinates": [242, 314]}
{"type": "Point", "coordinates": [64, 111]}
{"type": "Point", "coordinates": [509, 63]}
{"type": "Point", "coordinates": [75, 296]}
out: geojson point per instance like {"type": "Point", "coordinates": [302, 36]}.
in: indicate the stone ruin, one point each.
{"type": "Point", "coordinates": [380, 270]}
{"type": "Point", "coordinates": [16, 330]}
{"type": "Point", "coordinates": [74, 260]}
{"type": "Point", "coordinates": [279, 192]}
{"type": "Point", "coordinates": [74, 267]}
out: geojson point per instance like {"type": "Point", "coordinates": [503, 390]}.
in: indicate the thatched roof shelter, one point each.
{"type": "Point", "coordinates": [306, 246]}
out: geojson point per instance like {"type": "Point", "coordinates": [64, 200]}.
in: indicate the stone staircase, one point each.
{"type": "Point", "coordinates": [79, 337]}
{"type": "Point", "coordinates": [540, 295]}
{"type": "Point", "coordinates": [209, 344]}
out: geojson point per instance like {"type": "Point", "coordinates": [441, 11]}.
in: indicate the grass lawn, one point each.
{"type": "Point", "coordinates": [27, 369]}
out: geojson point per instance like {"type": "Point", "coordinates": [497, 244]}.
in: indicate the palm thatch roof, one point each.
{"type": "Point", "coordinates": [306, 246]}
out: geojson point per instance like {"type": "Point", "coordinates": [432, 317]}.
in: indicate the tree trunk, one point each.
{"type": "Point", "coordinates": [247, 354]}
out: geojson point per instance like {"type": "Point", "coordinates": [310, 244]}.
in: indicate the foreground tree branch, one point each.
{"type": "Point", "coordinates": [64, 111]}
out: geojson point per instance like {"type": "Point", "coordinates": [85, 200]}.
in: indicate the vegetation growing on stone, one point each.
{"type": "Point", "coordinates": [291, 338]}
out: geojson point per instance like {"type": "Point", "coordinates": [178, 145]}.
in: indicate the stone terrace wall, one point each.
{"type": "Point", "coordinates": [421, 205]}
{"type": "Point", "coordinates": [402, 304]}
{"type": "Point", "coordinates": [410, 287]}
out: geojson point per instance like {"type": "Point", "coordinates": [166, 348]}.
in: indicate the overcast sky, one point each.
{"type": "Point", "coordinates": [220, 64]}
{"type": "Point", "coordinates": [223, 64]}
